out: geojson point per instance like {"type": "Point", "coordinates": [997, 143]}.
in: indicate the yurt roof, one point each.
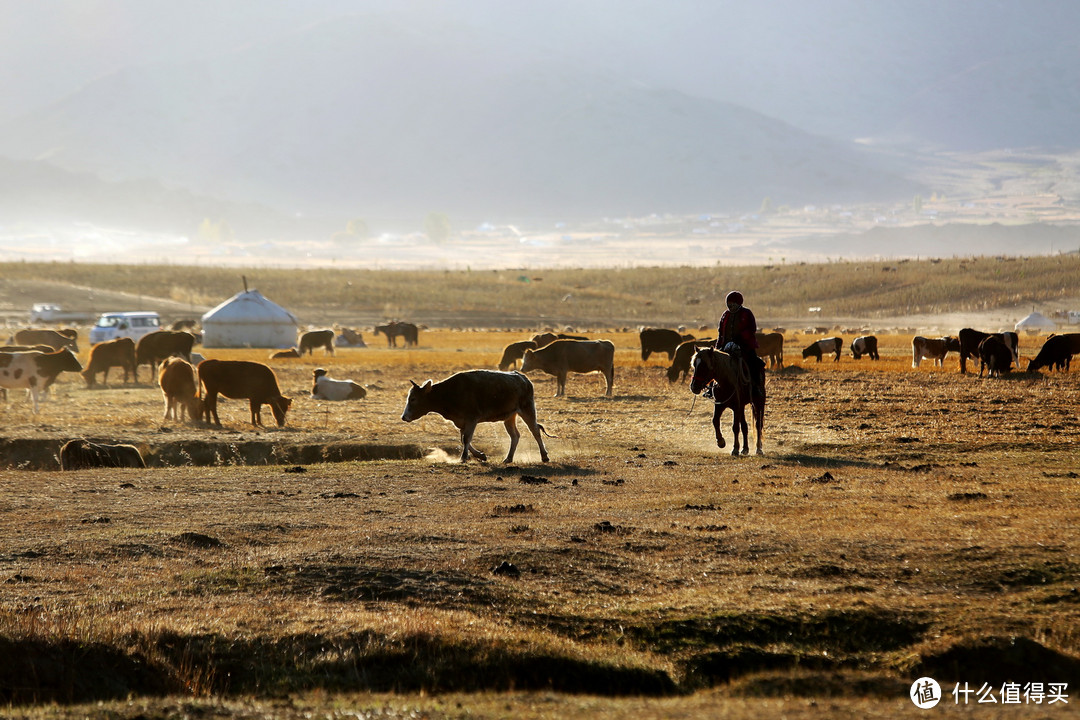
{"type": "Point", "coordinates": [1036, 320]}
{"type": "Point", "coordinates": [249, 307]}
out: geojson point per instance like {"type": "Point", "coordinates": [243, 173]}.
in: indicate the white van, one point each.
{"type": "Point", "coordinates": [112, 325]}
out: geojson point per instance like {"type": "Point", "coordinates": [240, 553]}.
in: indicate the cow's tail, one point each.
{"type": "Point", "coordinates": [544, 430]}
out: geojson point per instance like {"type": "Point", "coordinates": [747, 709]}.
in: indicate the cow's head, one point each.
{"type": "Point", "coordinates": [416, 406]}
{"type": "Point", "coordinates": [280, 405]}
{"type": "Point", "coordinates": [528, 361]}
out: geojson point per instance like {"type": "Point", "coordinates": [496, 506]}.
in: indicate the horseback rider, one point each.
{"type": "Point", "coordinates": [738, 328]}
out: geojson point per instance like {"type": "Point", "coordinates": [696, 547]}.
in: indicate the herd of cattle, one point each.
{"type": "Point", "coordinates": [190, 385]}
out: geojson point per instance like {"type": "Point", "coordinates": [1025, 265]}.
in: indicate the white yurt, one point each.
{"type": "Point", "coordinates": [1034, 323]}
{"type": "Point", "coordinates": [248, 319]}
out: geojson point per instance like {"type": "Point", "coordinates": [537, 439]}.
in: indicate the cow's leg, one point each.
{"type": "Point", "coordinates": [529, 416]}
{"type": "Point", "coordinates": [256, 412]}
{"type": "Point", "coordinates": [34, 398]}
{"type": "Point", "coordinates": [560, 384]}
{"type": "Point", "coordinates": [609, 375]}
{"type": "Point", "coordinates": [515, 436]}
{"type": "Point", "coordinates": [467, 432]}
{"type": "Point", "coordinates": [718, 410]}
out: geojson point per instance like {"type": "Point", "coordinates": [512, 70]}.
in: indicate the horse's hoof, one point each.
{"type": "Point", "coordinates": [735, 452]}
{"type": "Point", "coordinates": [745, 451]}
{"type": "Point", "coordinates": [720, 443]}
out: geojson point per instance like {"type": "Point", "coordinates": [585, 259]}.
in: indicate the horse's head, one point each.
{"type": "Point", "coordinates": [703, 365]}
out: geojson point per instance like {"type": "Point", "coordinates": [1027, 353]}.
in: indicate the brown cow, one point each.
{"type": "Point", "coordinates": [179, 389]}
{"type": "Point", "coordinates": [284, 354]}
{"type": "Point", "coordinates": [35, 370]}
{"type": "Point", "coordinates": [392, 330]}
{"type": "Point", "coordinates": [513, 352]}
{"type": "Point", "coordinates": [154, 347]}
{"type": "Point", "coordinates": [242, 379]}
{"type": "Point", "coordinates": [932, 349]}
{"type": "Point", "coordinates": [475, 396]}
{"type": "Point", "coordinates": [660, 340]}
{"type": "Point", "coordinates": [80, 454]}
{"type": "Point", "coordinates": [350, 338]}
{"type": "Point", "coordinates": [565, 356]}
{"type": "Point", "coordinates": [680, 366]}
{"type": "Point", "coordinates": [771, 345]}
{"type": "Point", "coordinates": [316, 338]}
{"type": "Point", "coordinates": [56, 339]}
{"type": "Point", "coordinates": [109, 354]}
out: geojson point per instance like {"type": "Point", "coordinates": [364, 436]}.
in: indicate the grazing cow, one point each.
{"type": "Point", "coordinates": [239, 379]}
{"type": "Point", "coordinates": [56, 339]}
{"type": "Point", "coordinates": [180, 389]}
{"type": "Point", "coordinates": [81, 454]}
{"type": "Point", "coordinates": [680, 366]}
{"type": "Point", "coordinates": [407, 331]}
{"type": "Point", "coordinates": [971, 339]}
{"type": "Point", "coordinates": [350, 338]}
{"type": "Point", "coordinates": [1056, 352]}
{"type": "Point", "coordinates": [35, 370]}
{"type": "Point", "coordinates": [316, 338]}
{"type": "Point", "coordinates": [864, 345]}
{"type": "Point", "coordinates": [660, 340]}
{"type": "Point", "coordinates": [513, 352]}
{"type": "Point", "coordinates": [326, 388]}
{"type": "Point", "coordinates": [284, 354]}
{"type": "Point", "coordinates": [827, 345]}
{"type": "Point", "coordinates": [994, 356]}
{"type": "Point", "coordinates": [932, 349]}
{"type": "Point", "coordinates": [154, 347]}
{"type": "Point", "coordinates": [566, 356]}
{"type": "Point", "coordinates": [475, 396]}
{"type": "Point", "coordinates": [109, 354]}
{"type": "Point", "coordinates": [771, 345]}
{"type": "Point", "coordinates": [544, 338]}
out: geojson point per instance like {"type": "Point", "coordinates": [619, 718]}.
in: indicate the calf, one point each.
{"type": "Point", "coordinates": [513, 352]}
{"type": "Point", "coordinates": [933, 349]}
{"type": "Point", "coordinates": [1056, 352]}
{"type": "Point", "coordinates": [994, 356]}
{"type": "Point", "coordinates": [154, 347]}
{"type": "Point", "coordinates": [80, 454]}
{"type": "Point", "coordinates": [284, 354]}
{"type": "Point", "coordinates": [565, 356]}
{"type": "Point", "coordinates": [771, 345]}
{"type": "Point", "coordinates": [35, 370]}
{"type": "Point", "coordinates": [864, 345]}
{"type": "Point", "coordinates": [109, 354]}
{"type": "Point", "coordinates": [180, 389]}
{"type": "Point", "coordinates": [660, 340]}
{"type": "Point", "coordinates": [971, 339]}
{"type": "Point", "coordinates": [680, 366]}
{"type": "Point", "coordinates": [828, 345]}
{"type": "Point", "coordinates": [326, 388]}
{"type": "Point", "coordinates": [475, 396]}
{"type": "Point", "coordinates": [56, 339]}
{"type": "Point", "coordinates": [316, 338]}
{"type": "Point", "coordinates": [242, 379]}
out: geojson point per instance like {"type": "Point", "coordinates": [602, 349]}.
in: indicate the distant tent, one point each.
{"type": "Point", "coordinates": [248, 319]}
{"type": "Point", "coordinates": [1036, 322]}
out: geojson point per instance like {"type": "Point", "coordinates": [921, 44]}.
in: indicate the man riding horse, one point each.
{"type": "Point", "coordinates": [736, 336]}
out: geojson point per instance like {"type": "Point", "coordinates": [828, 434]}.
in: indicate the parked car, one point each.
{"type": "Point", "coordinates": [112, 325]}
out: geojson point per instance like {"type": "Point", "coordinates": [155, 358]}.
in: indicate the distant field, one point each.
{"type": "Point", "coordinates": [901, 523]}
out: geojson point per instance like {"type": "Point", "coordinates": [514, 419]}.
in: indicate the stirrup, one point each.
{"type": "Point", "coordinates": [708, 392]}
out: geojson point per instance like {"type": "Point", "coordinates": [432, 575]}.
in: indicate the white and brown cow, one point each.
{"type": "Point", "coordinates": [35, 370]}
{"type": "Point", "coordinates": [566, 356]}
{"type": "Point", "coordinates": [864, 345]}
{"type": "Point", "coordinates": [932, 349]}
{"type": "Point", "coordinates": [827, 345]}
{"type": "Point", "coordinates": [326, 388]}
{"type": "Point", "coordinates": [80, 454]}
{"type": "Point", "coordinates": [474, 396]}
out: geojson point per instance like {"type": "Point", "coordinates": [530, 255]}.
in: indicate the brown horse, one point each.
{"type": "Point", "coordinates": [731, 390]}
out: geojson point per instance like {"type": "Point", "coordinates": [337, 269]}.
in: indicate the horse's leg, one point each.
{"type": "Point", "coordinates": [759, 420]}
{"type": "Point", "coordinates": [718, 410]}
{"type": "Point", "coordinates": [738, 423]}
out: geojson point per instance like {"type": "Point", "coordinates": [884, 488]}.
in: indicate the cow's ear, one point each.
{"type": "Point", "coordinates": [414, 384]}
{"type": "Point", "coordinates": [426, 385]}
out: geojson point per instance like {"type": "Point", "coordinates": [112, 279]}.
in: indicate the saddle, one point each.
{"type": "Point", "coordinates": [739, 370]}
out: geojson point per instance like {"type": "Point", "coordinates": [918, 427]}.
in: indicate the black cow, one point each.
{"type": "Point", "coordinates": [1056, 352]}
{"type": "Point", "coordinates": [660, 340]}
{"type": "Point", "coordinates": [970, 340]}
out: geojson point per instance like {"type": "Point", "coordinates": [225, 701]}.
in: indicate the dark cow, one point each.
{"type": "Point", "coordinates": [56, 339]}
{"type": "Point", "coordinates": [994, 356]}
{"type": "Point", "coordinates": [971, 339]}
{"type": "Point", "coordinates": [475, 396]}
{"type": "Point", "coordinates": [326, 388]}
{"type": "Point", "coordinates": [828, 345]}
{"type": "Point", "coordinates": [565, 356]}
{"type": "Point", "coordinates": [1056, 352]}
{"type": "Point", "coordinates": [933, 349]}
{"type": "Point", "coordinates": [771, 346]}
{"type": "Point", "coordinates": [81, 454]}
{"type": "Point", "coordinates": [316, 338]}
{"type": "Point", "coordinates": [680, 366]}
{"type": "Point", "coordinates": [407, 331]}
{"type": "Point", "coordinates": [154, 347]}
{"type": "Point", "coordinates": [241, 379]}
{"type": "Point", "coordinates": [660, 340]}
{"type": "Point", "coordinates": [179, 389]}
{"type": "Point", "coordinates": [546, 338]}
{"type": "Point", "coordinates": [864, 345]}
{"type": "Point", "coordinates": [35, 370]}
{"type": "Point", "coordinates": [109, 354]}
{"type": "Point", "coordinates": [284, 354]}
{"type": "Point", "coordinates": [513, 352]}
{"type": "Point", "coordinates": [350, 338]}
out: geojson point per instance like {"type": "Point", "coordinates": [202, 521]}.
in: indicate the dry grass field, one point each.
{"type": "Point", "coordinates": [901, 523]}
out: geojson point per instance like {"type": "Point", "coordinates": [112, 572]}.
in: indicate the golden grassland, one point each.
{"type": "Point", "coordinates": [902, 522]}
